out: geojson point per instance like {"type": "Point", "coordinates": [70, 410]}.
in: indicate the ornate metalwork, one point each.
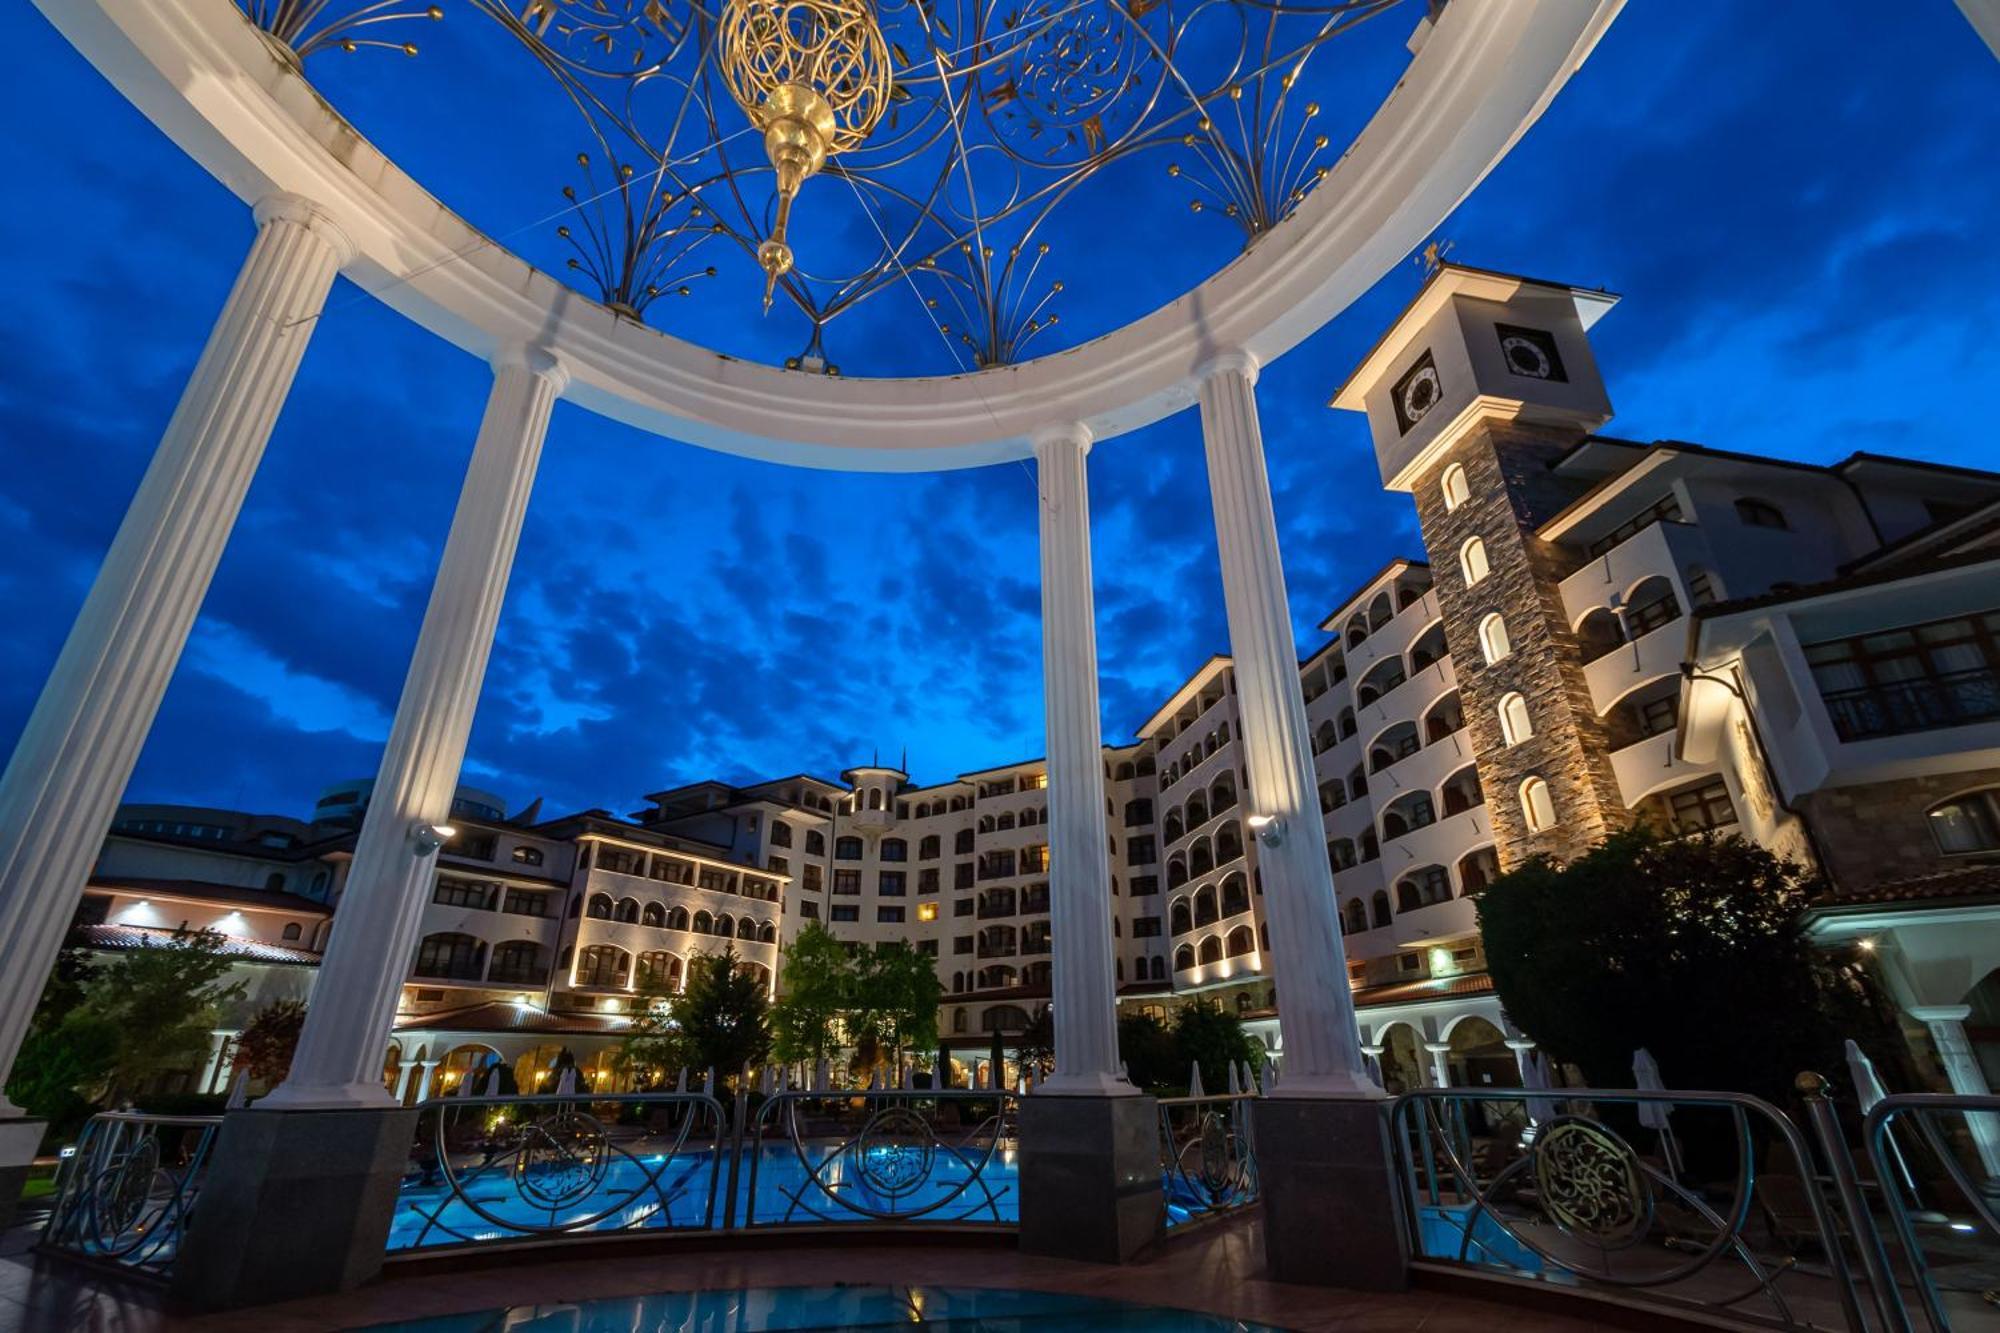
{"type": "Point", "coordinates": [1208, 1156]}
{"type": "Point", "coordinates": [125, 1193]}
{"type": "Point", "coordinates": [952, 133]}
{"type": "Point", "coordinates": [1571, 1198]}
{"type": "Point", "coordinates": [497, 1168]}
{"type": "Point", "coordinates": [943, 1158]}
{"type": "Point", "coordinates": [1943, 1207]}
{"type": "Point", "coordinates": [307, 26]}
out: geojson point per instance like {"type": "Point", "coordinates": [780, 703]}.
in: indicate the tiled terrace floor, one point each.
{"type": "Point", "coordinates": [1216, 1270]}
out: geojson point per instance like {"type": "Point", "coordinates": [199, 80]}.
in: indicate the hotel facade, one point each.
{"type": "Point", "coordinates": [1598, 632]}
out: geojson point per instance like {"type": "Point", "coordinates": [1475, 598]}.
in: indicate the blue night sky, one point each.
{"type": "Point", "coordinates": [1795, 201]}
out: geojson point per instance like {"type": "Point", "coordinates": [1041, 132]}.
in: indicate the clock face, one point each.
{"type": "Point", "coordinates": [1530, 353]}
{"type": "Point", "coordinates": [1417, 393]}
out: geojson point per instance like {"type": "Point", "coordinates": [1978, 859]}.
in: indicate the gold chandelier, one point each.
{"type": "Point", "coordinates": [813, 75]}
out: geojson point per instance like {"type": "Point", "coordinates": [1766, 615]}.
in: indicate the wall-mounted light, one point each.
{"type": "Point", "coordinates": [1268, 829]}
{"type": "Point", "coordinates": [430, 837]}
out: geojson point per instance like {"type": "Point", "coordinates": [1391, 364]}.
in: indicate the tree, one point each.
{"type": "Point", "coordinates": [1208, 1035]}
{"type": "Point", "coordinates": [1689, 947]}
{"type": "Point", "coordinates": [264, 1049]}
{"type": "Point", "coordinates": [895, 999]}
{"type": "Point", "coordinates": [818, 980]}
{"type": "Point", "coordinates": [1037, 1042]}
{"type": "Point", "coordinates": [1147, 1047]}
{"type": "Point", "coordinates": [653, 1046]}
{"type": "Point", "coordinates": [723, 1015]}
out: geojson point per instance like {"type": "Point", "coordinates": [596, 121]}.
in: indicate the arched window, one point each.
{"type": "Point", "coordinates": [930, 848]}
{"type": "Point", "coordinates": [1180, 917]}
{"type": "Point", "coordinates": [1457, 489]}
{"type": "Point", "coordinates": [746, 929]}
{"type": "Point", "coordinates": [874, 798]}
{"type": "Point", "coordinates": [703, 924]}
{"type": "Point", "coordinates": [1184, 958]}
{"type": "Point", "coordinates": [1538, 807]}
{"type": "Point", "coordinates": [725, 925]}
{"type": "Point", "coordinates": [895, 849]}
{"type": "Point", "coordinates": [292, 931]}
{"type": "Point", "coordinates": [1472, 560]}
{"type": "Point", "coordinates": [659, 968]}
{"type": "Point", "coordinates": [628, 911]}
{"type": "Point", "coordinates": [1760, 513]}
{"type": "Point", "coordinates": [1968, 823]}
{"type": "Point", "coordinates": [1493, 641]}
{"type": "Point", "coordinates": [962, 844]}
{"type": "Point", "coordinates": [847, 849]}
{"type": "Point", "coordinates": [450, 957]}
{"type": "Point", "coordinates": [517, 963]}
{"type": "Point", "coordinates": [815, 842]}
{"type": "Point", "coordinates": [1159, 969]}
{"type": "Point", "coordinates": [1210, 950]}
{"type": "Point", "coordinates": [654, 915]}
{"type": "Point", "coordinates": [677, 919]}
{"type": "Point", "coordinates": [603, 965]}
{"type": "Point", "coordinates": [1356, 918]}
{"type": "Point", "coordinates": [1241, 941]}
{"type": "Point", "coordinates": [781, 833]}
{"type": "Point", "coordinates": [600, 906]}
{"type": "Point", "coordinates": [1378, 907]}
{"type": "Point", "coordinates": [1515, 725]}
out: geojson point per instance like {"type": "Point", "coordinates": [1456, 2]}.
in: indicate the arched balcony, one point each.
{"type": "Point", "coordinates": [1397, 743]}
{"type": "Point", "coordinates": [1235, 896]}
{"type": "Point", "coordinates": [1443, 718]}
{"type": "Point", "coordinates": [1205, 910]}
{"type": "Point", "coordinates": [1411, 810]}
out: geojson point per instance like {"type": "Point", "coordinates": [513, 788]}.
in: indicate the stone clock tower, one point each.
{"type": "Point", "coordinates": [1481, 382]}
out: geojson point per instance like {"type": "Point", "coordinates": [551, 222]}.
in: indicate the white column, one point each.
{"type": "Point", "coordinates": [1315, 1005]}
{"type": "Point", "coordinates": [213, 1071]}
{"type": "Point", "coordinates": [1961, 1067]}
{"type": "Point", "coordinates": [1522, 1048]}
{"type": "Point", "coordinates": [339, 1058]}
{"type": "Point", "coordinates": [1984, 16]}
{"type": "Point", "coordinates": [1083, 994]}
{"type": "Point", "coordinates": [1440, 1063]}
{"type": "Point", "coordinates": [424, 1081]}
{"type": "Point", "coordinates": [83, 737]}
{"type": "Point", "coordinates": [404, 1068]}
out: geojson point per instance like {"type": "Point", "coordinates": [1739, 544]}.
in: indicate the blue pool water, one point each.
{"type": "Point", "coordinates": [804, 1309]}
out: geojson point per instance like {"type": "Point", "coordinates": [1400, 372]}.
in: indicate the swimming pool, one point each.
{"type": "Point", "coordinates": [805, 1309]}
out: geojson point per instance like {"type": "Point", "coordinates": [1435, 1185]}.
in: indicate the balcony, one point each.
{"type": "Point", "coordinates": [1648, 766]}
{"type": "Point", "coordinates": [1953, 699]}
{"type": "Point", "coordinates": [1661, 548]}
{"type": "Point", "coordinates": [1630, 665]}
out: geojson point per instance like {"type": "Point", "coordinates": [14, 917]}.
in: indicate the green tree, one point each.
{"type": "Point", "coordinates": [818, 983]}
{"type": "Point", "coordinates": [653, 1046]}
{"type": "Point", "coordinates": [723, 1015]}
{"type": "Point", "coordinates": [265, 1046]}
{"type": "Point", "coordinates": [895, 1000]}
{"type": "Point", "coordinates": [1151, 1057]}
{"type": "Point", "coordinates": [1689, 947]}
{"type": "Point", "coordinates": [1208, 1035]}
{"type": "Point", "coordinates": [1037, 1043]}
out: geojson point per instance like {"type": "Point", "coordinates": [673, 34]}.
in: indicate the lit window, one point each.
{"type": "Point", "coordinates": [1538, 807]}
{"type": "Point", "coordinates": [1515, 725]}
{"type": "Point", "coordinates": [1457, 490]}
{"type": "Point", "coordinates": [926, 911]}
{"type": "Point", "coordinates": [1493, 641]}
{"type": "Point", "coordinates": [1968, 823]}
{"type": "Point", "coordinates": [1472, 560]}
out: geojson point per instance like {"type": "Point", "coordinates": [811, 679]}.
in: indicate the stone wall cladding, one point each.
{"type": "Point", "coordinates": [1512, 492]}
{"type": "Point", "coordinates": [1879, 831]}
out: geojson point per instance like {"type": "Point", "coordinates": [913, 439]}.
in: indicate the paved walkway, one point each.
{"type": "Point", "coordinates": [1215, 1270]}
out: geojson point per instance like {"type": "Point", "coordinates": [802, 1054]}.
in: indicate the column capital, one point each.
{"type": "Point", "coordinates": [1061, 435]}
{"type": "Point", "coordinates": [303, 212]}
{"type": "Point", "coordinates": [1940, 1013]}
{"type": "Point", "coordinates": [1519, 1045]}
{"type": "Point", "coordinates": [536, 360]}
{"type": "Point", "coordinates": [1229, 359]}
{"type": "Point", "coordinates": [1438, 1047]}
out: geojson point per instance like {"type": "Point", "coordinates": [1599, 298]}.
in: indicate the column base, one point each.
{"type": "Point", "coordinates": [1090, 1176]}
{"type": "Point", "coordinates": [296, 1203]}
{"type": "Point", "coordinates": [20, 1141]}
{"type": "Point", "coordinates": [1333, 1215]}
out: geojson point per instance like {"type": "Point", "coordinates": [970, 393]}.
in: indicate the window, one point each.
{"type": "Point", "coordinates": [890, 884]}
{"type": "Point", "coordinates": [471, 846]}
{"type": "Point", "coordinates": [618, 860]}
{"type": "Point", "coordinates": [1493, 641]}
{"type": "Point", "coordinates": [847, 849]}
{"type": "Point", "coordinates": [603, 965]}
{"type": "Point", "coordinates": [781, 834]}
{"type": "Point", "coordinates": [893, 915]}
{"type": "Point", "coordinates": [808, 909]}
{"type": "Point", "coordinates": [1760, 513]}
{"type": "Point", "coordinates": [815, 878]}
{"type": "Point", "coordinates": [1140, 851]}
{"type": "Point", "coordinates": [1145, 927]}
{"type": "Point", "coordinates": [927, 880]}
{"type": "Point", "coordinates": [930, 848]}
{"type": "Point", "coordinates": [895, 849]}
{"type": "Point", "coordinates": [1968, 823]}
{"type": "Point", "coordinates": [449, 956]}
{"type": "Point", "coordinates": [780, 865]}
{"type": "Point", "coordinates": [962, 844]}
{"type": "Point", "coordinates": [928, 948]}
{"type": "Point", "coordinates": [815, 843]}
{"type": "Point", "coordinates": [1472, 560]}
{"type": "Point", "coordinates": [461, 893]}
{"type": "Point", "coordinates": [1145, 886]}
{"type": "Point", "coordinates": [1703, 806]}
{"type": "Point", "coordinates": [926, 911]}
{"type": "Point", "coordinates": [961, 944]}
{"type": "Point", "coordinates": [847, 881]}
{"type": "Point", "coordinates": [845, 912]}
{"type": "Point", "coordinates": [1537, 806]}
{"type": "Point", "coordinates": [1457, 489]}
{"type": "Point", "coordinates": [961, 875]}
{"type": "Point", "coordinates": [1701, 587]}
{"type": "Point", "coordinates": [517, 962]}
{"type": "Point", "coordinates": [293, 930]}
{"type": "Point", "coordinates": [1035, 859]}
{"type": "Point", "coordinates": [1515, 724]}
{"type": "Point", "coordinates": [1653, 613]}
{"type": "Point", "coordinates": [1658, 715]}
{"type": "Point", "coordinates": [1138, 813]}
{"type": "Point", "coordinates": [527, 856]}
{"type": "Point", "coordinates": [963, 906]}
{"type": "Point", "coordinates": [1917, 678]}
{"type": "Point", "coordinates": [525, 902]}
{"type": "Point", "coordinates": [1667, 510]}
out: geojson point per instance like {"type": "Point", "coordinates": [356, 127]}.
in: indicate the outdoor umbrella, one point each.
{"type": "Point", "coordinates": [1655, 1116]}
{"type": "Point", "coordinates": [1535, 1078]}
{"type": "Point", "coordinates": [1869, 1090]}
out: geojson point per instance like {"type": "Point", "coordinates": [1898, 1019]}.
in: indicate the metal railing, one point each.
{"type": "Point", "coordinates": [1934, 1187]}
{"type": "Point", "coordinates": [1948, 699]}
{"type": "Point", "coordinates": [124, 1195]}
{"type": "Point", "coordinates": [1594, 1187]}
{"type": "Point", "coordinates": [1208, 1156]}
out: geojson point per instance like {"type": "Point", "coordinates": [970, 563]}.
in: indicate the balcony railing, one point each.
{"type": "Point", "coordinates": [1952, 699]}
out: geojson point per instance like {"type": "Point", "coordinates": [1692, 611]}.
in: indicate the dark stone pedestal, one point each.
{"type": "Point", "coordinates": [1090, 1176]}
{"type": "Point", "coordinates": [296, 1203]}
{"type": "Point", "coordinates": [20, 1139]}
{"type": "Point", "coordinates": [1333, 1216]}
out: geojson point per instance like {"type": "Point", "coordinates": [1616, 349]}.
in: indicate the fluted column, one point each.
{"type": "Point", "coordinates": [1961, 1068]}
{"type": "Point", "coordinates": [1315, 1005]}
{"type": "Point", "coordinates": [1083, 991]}
{"type": "Point", "coordinates": [339, 1058]}
{"type": "Point", "coordinates": [77, 752]}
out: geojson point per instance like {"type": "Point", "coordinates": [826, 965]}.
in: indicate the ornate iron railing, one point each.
{"type": "Point", "coordinates": [1208, 1156]}
{"type": "Point", "coordinates": [1702, 1201]}
{"type": "Point", "coordinates": [935, 1158]}
{"type": "Point", "coordinates": [1950, 699]}
{"type": "Point", "coordinates": [124, 1195]}
{"type": "Point", "coordinates": [1945, 1222]}
{"type": "Point", "coordinates": [490, 1169]}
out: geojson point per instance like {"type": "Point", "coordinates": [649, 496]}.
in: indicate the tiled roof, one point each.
{"type": "Point", "coordinates": [1416, 992]}
{"type": "Point", "coordinates": [146, 937]}
{"type": "Point", "coordinates": [1946, 886]}
{"type": "Point", "coordinates": [500, 1016]}
{"type": "Point", "coordinates": [1893, 574]}
{"type": "Point", "coordinates": [204, 891]}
